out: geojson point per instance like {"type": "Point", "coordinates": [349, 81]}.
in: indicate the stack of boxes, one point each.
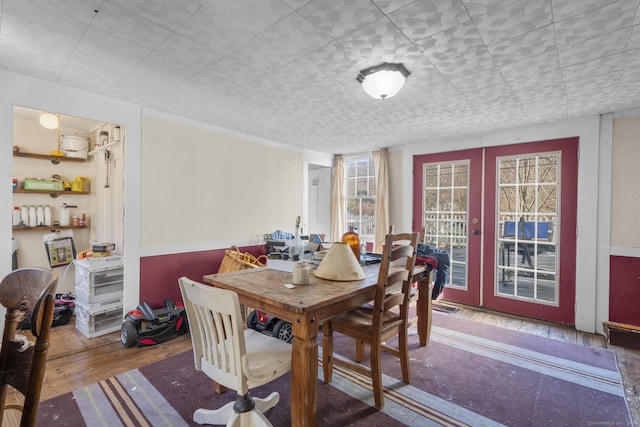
{"type": "Point", "coordinates": [99, 292]}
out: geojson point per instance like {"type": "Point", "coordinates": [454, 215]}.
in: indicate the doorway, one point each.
{"type": "Point", "coordinates": [100, 203]}
{"type": "Point", "coordinates": [318, 220]}
{"type": "Point", "coordinates": [507, 217]}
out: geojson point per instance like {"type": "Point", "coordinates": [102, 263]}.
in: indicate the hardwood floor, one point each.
{"type": "Point", "coordinates": [75, 361]}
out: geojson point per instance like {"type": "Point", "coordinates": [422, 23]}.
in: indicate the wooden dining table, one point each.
{"type": "Point", "coordinates": [306, 307]}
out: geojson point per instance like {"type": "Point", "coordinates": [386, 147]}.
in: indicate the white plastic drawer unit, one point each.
{"type": "Point", "coordinates": [82, 297]}
{"type": "Point", "coordinates": [98, 286]}
{"type": "Point", "coordinates": [94, 324]}
{"type": "Point", "coordinates": [100, 279]}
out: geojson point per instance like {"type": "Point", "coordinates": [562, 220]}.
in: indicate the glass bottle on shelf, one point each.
{"type": "Point", "coordinates": [352, 239]}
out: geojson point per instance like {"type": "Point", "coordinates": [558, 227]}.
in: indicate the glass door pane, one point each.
{"type": "Point", "coordinates": [527, 227]}
{"type": "Point", "coordinates": [445, 214]}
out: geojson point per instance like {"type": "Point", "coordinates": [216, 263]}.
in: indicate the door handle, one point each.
{"type": "Point", "coordinates": [475, 231]}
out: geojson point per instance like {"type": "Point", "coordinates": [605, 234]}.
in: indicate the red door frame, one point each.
{"type": "Point", "coordinates": [565, 312]}
{"type": "Point", "coordinates": [471, 295]}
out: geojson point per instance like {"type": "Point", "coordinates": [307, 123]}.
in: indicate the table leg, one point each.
{"type": "Point", "coordinates": [219, 388]}
{"type": "Point", "coordinates": [423, 306]}
{"type": "Point", "coordinates": [304, 371]}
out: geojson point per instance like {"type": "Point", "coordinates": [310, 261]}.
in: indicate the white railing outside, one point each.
{"type": "Point", "coordinates": [446, 230]}
{"type": "Point", "coordinates": [364, 224]}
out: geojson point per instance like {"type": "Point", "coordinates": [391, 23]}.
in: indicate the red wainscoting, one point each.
{"type": "Point", "coordinates": [159, 279]}
{"type": "Point", "coordinates": [159, 274]}
{"type": "Point", "coordinates": [624, 290]}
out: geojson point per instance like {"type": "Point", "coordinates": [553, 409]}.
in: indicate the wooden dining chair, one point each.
{"type": "Point", "coordinates": [23, 362]}
{"type": "Point", "coordinates": [233, 356]}
{"type": "Point", "coordinates": [413, 295]}
{"type": "Point", "coordinates": [373, 324]}
{"type": "Point", "coordinates": [413, 291]}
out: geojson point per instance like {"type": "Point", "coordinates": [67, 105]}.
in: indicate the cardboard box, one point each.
{"type": "Point", "coordinates": [316, 241]}
{"type": "Point", "coordinates": [36, 184]}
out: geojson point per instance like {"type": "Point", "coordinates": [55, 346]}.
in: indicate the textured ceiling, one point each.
{"type": "Point", "coordinates": [285, 70]}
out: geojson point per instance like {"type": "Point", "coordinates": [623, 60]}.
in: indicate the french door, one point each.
{"type": "Point", "coordinates": [507, 217]}
{"type": "Point", "coordinates": [447, 209]}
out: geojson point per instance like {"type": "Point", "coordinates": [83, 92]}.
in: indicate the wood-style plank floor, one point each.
{"type": "Point", "coordinates": [75, 361]}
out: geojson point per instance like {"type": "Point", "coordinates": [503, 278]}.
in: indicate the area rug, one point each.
{"type": "Point", "coordinates": [470, 374]}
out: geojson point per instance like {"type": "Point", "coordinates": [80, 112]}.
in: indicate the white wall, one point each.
{"type": "Point", "coordinates": [108, 200]}
{"type": "Point", "coordinates": [207, 188]}
{"type": "Point", "coordinates": [592, 247]}
{"type": "Point", "coordinates": [625, 219]}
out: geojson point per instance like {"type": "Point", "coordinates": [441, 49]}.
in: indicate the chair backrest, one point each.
{"type": "Point", "coordinates": [396, 275]}
{"type": "Point", "coordinates": [22, 363]}
{"type": "Point", "coordinates": [217, 333]}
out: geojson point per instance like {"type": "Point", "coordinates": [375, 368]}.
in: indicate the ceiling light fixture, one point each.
{"type": "Point", "coordinates": [52, 121]}
{"type": "Point", "coordinates": [49, 120]}
{"type": "Point", "coordinates": [383, 81]}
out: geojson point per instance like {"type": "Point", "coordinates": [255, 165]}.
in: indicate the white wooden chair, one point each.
{"type": "Point", "coordinates": [234, 357]}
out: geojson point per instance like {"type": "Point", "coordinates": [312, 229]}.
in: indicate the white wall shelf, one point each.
{"type": "Point", "coordinates": [104, 147]}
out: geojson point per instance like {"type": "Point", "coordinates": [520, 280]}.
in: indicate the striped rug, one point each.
{"type": "Point", "coordinates": [470, 375]}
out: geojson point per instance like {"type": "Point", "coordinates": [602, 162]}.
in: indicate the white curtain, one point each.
{"type": "Point", "coordinates": [337, 198]}
{"type": "Point", "coordinates": [382, 198]}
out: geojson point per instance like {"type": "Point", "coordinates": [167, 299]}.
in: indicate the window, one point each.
{"type": "Point", "coordinates": [360, 195]}
{"type": "Point", "coordinates": [528, 208]}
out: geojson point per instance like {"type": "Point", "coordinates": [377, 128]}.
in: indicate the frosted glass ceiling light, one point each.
{"type": "Point", "coordinates": [49, 120]}
{"type": "Point", "coordinates": [383, 81]}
